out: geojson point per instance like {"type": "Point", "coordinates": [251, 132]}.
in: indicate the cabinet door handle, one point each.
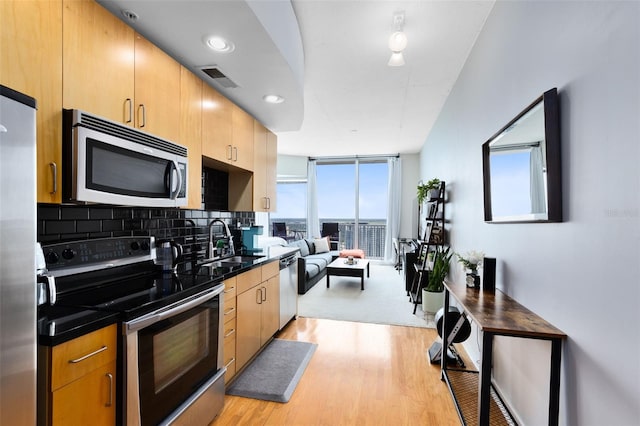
{"type": "Point", "coordinates": [228, 311]}
{"type": "Point", "coordinates": [235, 150]}
{"type": "Point", "coordinates": [229, 152]}
{"type": "Point", "coordinates": [82, 358]}
{"type": "Point", "coordinates": [229, 290]}
{"type": "Point", "coordinates": [110, 401]}
{"type": "Point", "coordinates": [233, 330]}
{"type": "Point", "coordinates": [142, 108]}
{"type": "Point", "coordinates": [231, 361]}
{"type": "Point", "coordinates": [268, 203]}
{"type": "Point", "coordinates": [129, 102]}
{"type": "Point", "coordinates": [54, 172]}
{"type": "Point", "coordinates": [259, 296]}
{"type": "Point", "coordinates": [264, 294]}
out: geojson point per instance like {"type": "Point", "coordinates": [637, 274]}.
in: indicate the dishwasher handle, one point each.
{"type": "Point", "coordinates": [285, 262]}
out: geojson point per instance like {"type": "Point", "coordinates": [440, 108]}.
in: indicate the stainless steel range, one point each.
{"type": "Point", "coordinates": [170, 351]}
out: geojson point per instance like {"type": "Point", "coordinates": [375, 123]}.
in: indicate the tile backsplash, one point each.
{"type": "Point", "coordinates": [58, 223]}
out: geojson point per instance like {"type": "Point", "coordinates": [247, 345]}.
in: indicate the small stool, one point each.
{"type": "Point", "coordinates": [352, 252]}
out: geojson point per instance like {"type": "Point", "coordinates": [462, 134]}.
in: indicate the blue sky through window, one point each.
{"type": "Point", "coordinates": [336, 193]}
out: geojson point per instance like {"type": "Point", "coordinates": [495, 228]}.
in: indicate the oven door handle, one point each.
{"type": "Point", "coordinates": [172, 310]}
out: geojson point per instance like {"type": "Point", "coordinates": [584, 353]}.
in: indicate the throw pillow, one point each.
{"type": "Point", "coordinates": [322, 245]}
{"type": "Point", "coordinates": [302, 244]}
{"type": "Point", "coordinates": [312, 246]}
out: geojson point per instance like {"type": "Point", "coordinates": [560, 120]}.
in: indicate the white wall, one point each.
{"type": "Point", "coordinates": [582, 275]}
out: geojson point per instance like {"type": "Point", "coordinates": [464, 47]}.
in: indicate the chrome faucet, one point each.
{"type": "Point", "coordinates": [213, 250]}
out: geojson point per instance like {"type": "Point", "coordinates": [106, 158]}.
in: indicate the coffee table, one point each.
{"type": "Point", "coordinates": [340, 268]}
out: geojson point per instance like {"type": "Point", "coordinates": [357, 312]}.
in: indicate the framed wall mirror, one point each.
{"type": "Point", "coordinates": [521, 166]}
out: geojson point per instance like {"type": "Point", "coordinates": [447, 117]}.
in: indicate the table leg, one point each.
{"type": "Point", "coordinates": [445, 336]}
{"type": "Point", "coordinates": [485, 378]}
{"type": "Point", "coordinates": [328, 279]}
{"type": "Point", "coordinates": [554, 382]}
{"type": "Point", "coordinates": [362, 280]}
{"type": "Point", "coordinates": [368, 269]}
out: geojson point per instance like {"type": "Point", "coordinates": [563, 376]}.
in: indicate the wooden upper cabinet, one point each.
{"type": "Point", "coordinates": [191, 133]}
{"type": "Point", "coordinates": [227, 131]}
{"type": "Point", "coordinates": [271, 172]}
{"type": "Point", "coordinates": [157, 91]}
{"type": "Point", "coordinates": [242, 138]}
{"type": "Point", "coordinates": [264, 168]}
{"type": "Point", "coordinates": [115, 73]}
{"type": "Point", "coordinates": [31, 63]}
{"type": "Point", "coordinates": [216, 125]}
{"type": "Point", "coordinates": [98, 62]}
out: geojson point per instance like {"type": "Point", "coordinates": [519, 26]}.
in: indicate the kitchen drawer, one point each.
{"type": "Point", "coordinates": [270, 270]}
{"type": "Point", "coordinates": [229, 308]}
{"type": "Point", "coordinates": [249, 279]}
{"type": "Point", "coordinates": [229, 347]}
{"type": "Point", "coordinates": [229, 329]}
{"type": "Point", "coordinates": [230, 287]}
{"type": "Point", "coordinates": [75, 358]}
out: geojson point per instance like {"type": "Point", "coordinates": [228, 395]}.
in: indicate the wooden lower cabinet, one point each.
{"type": "Point", "coordinates": [77, 380]}
{"type": "Point", "coordinates": [258, 316]}
{"type": "Point", "coordinates": [88, 400]}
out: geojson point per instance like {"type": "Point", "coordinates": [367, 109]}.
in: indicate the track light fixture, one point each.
{"type": "Point", "coordinates": [397, 41]}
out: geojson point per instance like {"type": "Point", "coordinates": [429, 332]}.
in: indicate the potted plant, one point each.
{"type": "Point", "coordinates": [429, 190]}
{"type": "Point", "coordinates": [433, 292]}
{"type": "Point", "coordinates": [471, 263]}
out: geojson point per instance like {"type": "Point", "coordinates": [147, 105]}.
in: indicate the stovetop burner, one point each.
{"type": "Point", "coordinates": [103, 278]}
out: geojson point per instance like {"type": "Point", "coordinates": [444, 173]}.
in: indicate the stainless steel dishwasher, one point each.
{"type": "Point", "coordinates": [288, 287]}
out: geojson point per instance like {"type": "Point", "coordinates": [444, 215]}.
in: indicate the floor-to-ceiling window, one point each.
{"type": "Point", "coordinates": [292, 208]}
{"type": "Point", "coordinates": [353, 193]}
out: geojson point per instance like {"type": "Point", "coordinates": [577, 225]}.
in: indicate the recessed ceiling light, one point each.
{"type": "Point", "coordinates": [273, 99]}
{"type": "Point", "coordinates": [220, 44]}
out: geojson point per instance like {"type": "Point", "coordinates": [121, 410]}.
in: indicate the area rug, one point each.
{"type": "Point", "coordinates": [384, 300]}
{"type": "Point", "coordinates": [276, 371]}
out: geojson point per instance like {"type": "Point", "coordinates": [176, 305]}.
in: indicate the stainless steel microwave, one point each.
{"type": "Point", "coordinates": [108, 162]}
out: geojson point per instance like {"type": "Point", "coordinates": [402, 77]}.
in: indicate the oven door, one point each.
{"type": "Point", "coordinates": [174, 360]}
{"type": "Point", "coordinates": [113, 170]}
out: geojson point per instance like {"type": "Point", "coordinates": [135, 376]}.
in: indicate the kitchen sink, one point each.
{"type": "Point", "coordinates": [241, 259]}
{"type": "Point", "coordinates": [232, 262]}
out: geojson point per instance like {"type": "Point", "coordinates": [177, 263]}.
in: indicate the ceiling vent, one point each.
{"type": "Point", "coordinates": [219, 78]}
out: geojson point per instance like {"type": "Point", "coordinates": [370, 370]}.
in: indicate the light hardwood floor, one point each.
{"type": "Point", "coordinates": [360, 374]}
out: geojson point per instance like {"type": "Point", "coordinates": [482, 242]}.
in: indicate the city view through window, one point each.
{"type": "Point", "coordinates": [353, 195]}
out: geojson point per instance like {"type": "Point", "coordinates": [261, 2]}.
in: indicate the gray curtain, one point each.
{"type": "Point", "coordinates": [313, 223]}
{"type": "Point", "coordinates": [394, 192]}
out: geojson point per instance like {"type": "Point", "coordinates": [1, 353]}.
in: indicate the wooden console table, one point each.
{"type": "Point", "coordinates": [495, 314]}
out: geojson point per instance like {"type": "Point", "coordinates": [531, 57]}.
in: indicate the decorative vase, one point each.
{"type": "Point", "coordinates": [473, 280]}
{"type": "Point", "coordinates": [432, 301]}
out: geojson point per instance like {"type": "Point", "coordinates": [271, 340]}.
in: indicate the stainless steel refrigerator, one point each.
{"type": "Point", "coordinates": [17, 258]}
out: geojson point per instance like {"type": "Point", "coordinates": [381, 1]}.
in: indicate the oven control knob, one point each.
{"type": "Point", "coordinates": [144, 246]}
{"type": "Point", "coordinates": [135, 246]}
{"type": "Point", "coordinates": [68, 254]}
{"type": "Point", "coordinates": [52, 257]}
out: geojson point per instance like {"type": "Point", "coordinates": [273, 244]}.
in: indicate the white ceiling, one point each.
{"type": "Point", "coordinates": [343, 99]}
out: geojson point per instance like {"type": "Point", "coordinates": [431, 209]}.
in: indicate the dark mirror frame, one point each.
{"type": "Point", "coordinates": [552, 149]}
